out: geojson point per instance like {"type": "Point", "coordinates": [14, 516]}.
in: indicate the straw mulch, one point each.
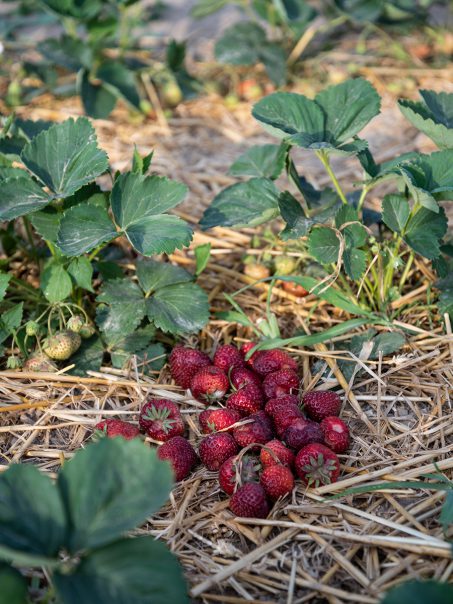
{"type": "Point", "coordinates": [399, 409]}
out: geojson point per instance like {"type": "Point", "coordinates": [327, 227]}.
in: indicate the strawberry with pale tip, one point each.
{"type": "Point", "coordinates": [336, 434]}
{"type": "Point", "coordinates": [301, 433]}
{"type": "Point", "coordinates": [209, 384]}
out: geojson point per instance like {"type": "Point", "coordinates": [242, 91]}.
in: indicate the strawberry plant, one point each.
{"type": "Point", "coordinates": [75, 529]}
{"type": "Point", "coordinates": [364, 254]}
{"type": "Point", "coordinates": [64, 227]}
{"type": "Point", "coordinates": [96, 57]}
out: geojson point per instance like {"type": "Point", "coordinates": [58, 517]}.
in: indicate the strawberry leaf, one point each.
{"type": "Point", "coordinates": [81, 271]}
{"type": "Point", "coordinates": [117, 573]}
{"type": "Point", "coordinates": [14, 585]}
{"type": "Point", "coordinates": [433, 116]}
{"type": "Point", "coordinates": [297, 223]}
{"type": "Point", "coordinates": [21, 196]}
{"type": "Point", "coordinates": [153, 275]}
{"type": "Point", "coordinates": [262, 161]}
{"type": "Point", "coordinates": [136, 481]}
{"type": "Point", "coordinates": [324, 245]}
{"type": "Point", "coordinates": [420, 592]}
{"type": "Point", "coordinates": [180, 308]}
{"type": "Point", "coordinates": [56, 283]}
{"type": "Point", "coordinates": [88, 357]}
{"type": "Point", "coordinates": [395, 212]}
{"type": "Point", "coordinates": [430, 178]}
{"type": "Point", "coordinates": [121, 308]}
{"type": "Point", "coordinates": [83, 227]}
{"type": "Point", "coordinates": [424, 232]}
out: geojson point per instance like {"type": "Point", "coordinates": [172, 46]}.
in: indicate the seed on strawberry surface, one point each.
{"type": "Point", "coordinates": [246, 400]}
{"type": "Point", "coordinates": [274, 452]}
{"type": "Point", "coordinates": [209, 384]}
{"type": "Point", "coordinates": [283, 418]}
{"type": "Point", "coordinates": [257, 431]}
{"type": "Point", "coordinates": [277, 480]}
{"type": "Point", "coordinates": [185, 363]}
{"type": "Point", "coordinates": [216, 448]}
{"type": "Point", "coordinates": [228, 356]}
{"type": "Point", "coordinates": [161, 419]}
{"type": "Point", "coordinates": [62, 345]}
{"type": "Point", "coordinates": [279, 383]}
{"type": "Point", "coordinates": [303, 432]}
{"type": "Point", "coordinates": [275, 405]}
{"type": "Point", "coordinates": [269, 361]}
{"type": "Point", "coordinates": [245, 469]}
{"type": "Point", "coordinates": [317, 465]}
{"type": "Point", "coordinates": [180, 453]}
{"type": "Point", "coordinates": [249, 501]}
{"type": "Point", "coordinates": [320, 404]}
{"type": "Point", "coordinates": [263, 417]}
{"type": "Point", "coordinates": [241, 376]}
{"type": "Point", "coordinates": [336, 434]}
{"type": "Point", "coordinates": [38, 361]}
{"type": "Point", "coordinates": [213, 420]}
{"type": "Point", "coordinates": [111, 428]}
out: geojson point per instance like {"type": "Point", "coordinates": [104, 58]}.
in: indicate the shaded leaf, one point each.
{"type": "Point", "coordinates": [297, 223]}
{"type": "Point", "coordinates": [46, 222]}
{"type": "Point", "coordinates": [21, 196]}
{"type": "Point", "coordinates": [13, 586]}
{"type": "Point", "coordinates": [56, 283]}
{"type": "Point", "coordinates": [420, 592]}
{"type": "Point", "coordinates": [118, 78]}
{"type": "Point", "coordinates": [83, 227]}
{"type": "Point", "coordinates": [433, 116]}
{"type": "Point", "coordinates": [81, 271]}
{"type": "Point", "coordinates": [68, 52]}
{"type": "Point", "coordinates": [97, 100]}
{"type": "Point", "coordinates": [324, 245]}
{"type": "Point", "coordinates": [88, 357]}
{"type": "Point", "coordinates": [10, 320]}
{"type": "Point", "coordinates": [153, 275]}
{"type": "Point", "coordinates": [266, 161]}
{"type": "Point", "coordinates": [181, 308]}
{"type": "Point", "coordinates": [424, 232]}
{"type": "Point", "coordinates": [395, 212]}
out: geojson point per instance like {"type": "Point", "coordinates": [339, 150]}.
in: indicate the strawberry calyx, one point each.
{"type": "Point", "coordinates": [319, 471]}
{"type": "Point", "coordinates": [160, 415]}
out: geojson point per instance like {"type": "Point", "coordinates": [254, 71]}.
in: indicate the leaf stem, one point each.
{"type": "Point", "coordinates": [324, 159]}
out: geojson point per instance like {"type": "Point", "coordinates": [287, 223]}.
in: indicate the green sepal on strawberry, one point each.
{"type": "Point", "coordinates": [317, 465]}
{"type": "Point", "coordinates": [238, 470]}
{"type": "Point", "coordinates": [112, 428]}
{"type": "Point", "coordinates": [181, 455]}
{"type": "Point", "coordinates": [161, 419]}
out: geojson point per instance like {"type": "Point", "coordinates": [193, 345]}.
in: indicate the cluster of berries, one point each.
{"type": "Point", "coordinates": [262, 437]}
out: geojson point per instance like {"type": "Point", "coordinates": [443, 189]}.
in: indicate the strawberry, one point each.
{"type": "Point", "coordinates": [250, 501]}
{"type": "Point", "coordinates": [75, 323]}
{"type": "Point", "coordinates": [228, 356]}
{"type": "Point", "coordinates": [285, 417]}
{"type": "Point", "coordinates": [245, 349]}
{"type": "Point", "coordinates": [62, 345]}
{"type": "Point", "coordinates": [281, 403]}
{"type": "Point", "coordinates": [316, 465]}
{"type": "Point", "coordinates": [269, 361]}
{"type": "Point", "coordinates": [184, 364]}
{"type": "Point", "coordinates": [301, 433]}
{"type": "Point", "coordinates": [38, 361]}
{"type": "Point", "coordinates": [180, 453]}
{"type": "Point", "coordinates": [87, 330]}
{"type": "Point", "coordinates": [277, 481]}
{"type": "Point", "coordinates": [257, 431]}
{"type": "Point", "coordinates": [241, 376]}
{"type": "Point", "coordinates": [216, 448]}
{"type": "Point", "coordinates": [336, 434]}
{"type": "Point", "coordinates": [246, 470]}
{"type": "Point", "coordinates": [161, 419]}
{"type": "Point", "coordinates": [213, 420]}
{"type": "Point", "coordinates": [282, 455]}
{"type": "Point", "coordinates": [209, 384]}
{"type": "Point", "coordinates": [284, 265]}
{"type": "Point", "coordinates": [246, 400]}
{"type": "Point", "coordinates": [116, 427]}
{"type": "Point", "coordinates": [295, 289]}
{"type": "Point", "coordinates": [279, 383]}
{"type": "Point", "coordinates": [263, 417]}
{"type": "Point", "coordinates": [321, 404]}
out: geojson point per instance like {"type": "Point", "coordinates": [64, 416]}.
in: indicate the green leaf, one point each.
{"type": "Point", "coordinates": [420, 592]}
{"type": "Point", "coordinates": [119, 79]}
{"type": "Point", "coordinates": [424, 232]}
{"type": "Point", "coordinates": [433, 117]}
{"type": "Point", "coordinates": [349, 107]}
{"type": "Point", "coordinates": [97, 100]}
{"type": "Point", "coordinates": [204, 8]}
{"type": "Point", "coordinates": [181, 308]}
{"type": "Point", "coordinates": [202, 254]}
{"type": "Point", "coordinates": [355, 262]}
{"type": "Point", "coordinates": [395, 212]}
{"type": "Point", "coordinates": [68, 52]}
{"type": "Point", "coordinates": [66, 156]}
{"type": "Point", "coordinates": [46, 222]}
{"type": "Point", "coordinates": [446, 515]}
{"type": "Point", "coordinates": [121, 349]}
{"type": "Point", "coordinates": [81, 270]}
{"type": "Point", "coordinates": [132, 571]}
{"type": "Point", "coordinates": [248, 203]}
{"type": "Point", "coordinates": [297, 223]}
{"type": "Point", "coordinates": [151, 359]}
{"type": "Point", "coordinates": [13, 586]}
{"type": "Point", "coordinates": [324, 245]}
{"type": "Point", "coordinates": [4, 280]}
{"type": "Point", "coordinates": [21, 196]}
{"type": "Point", "coordinates": [140, 165]}
{"type": "Point", "coordinates": [133, 479]}
{"type": "Point", "coordinates": [10, 320]}
{"type": "Point", "coordinates": [32, 518]}
{"type": "Point", "coordinates": [263, 161]}
{"type": "Point", "coordinates": [138, 203]}
{"type": "Point", "coordinates": [31, 128]}
{"type": "Point", "coordinates": [273, 57]}
{"type": "Point", "coordinates": [56, 283]}
{"type": "Point", "coordinates": [430, 178]}
{"type": "Point", "coordinates": [153, 275]}
{"type": "Point", "coordinates": [355, 234]}
{"type": "Point", "coordinates": [88, 357]}
{"type": "Point", "coordinates": [125, 310]}
{"type": "Point", "coordinates": [83, 227]}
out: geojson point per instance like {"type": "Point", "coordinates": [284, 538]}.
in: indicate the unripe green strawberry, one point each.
{"type": "Point", "coordinates": [39, 362]}
{"type": "Point", "coordinates": [62, 345]}
{"type": "Point", "coordinates": [284, 265]}
{"type": "Point", "coordinates": [75, 323]}
{"type": "Point", "coordinates": [32, 328]}
{"type": "Point", "coordinates": [87, 330]}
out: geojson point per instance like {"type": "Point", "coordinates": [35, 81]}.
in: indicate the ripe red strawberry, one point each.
{"type": "Point", "coordinates": [213, 420]}
{"type": "Point", "coordinates": [161, 419]}
{"type": "Point", "coordinates": [241, 376]}
{"type": "Point", "coordinates": [257, 431]}
{"type": "Point", "coordinates": [321, 404]}
{"type": "Point", "coordinates": [262, 416]}
{"type": "Point", "coordinates": [279, 383]}
{"type": "Point", "coordinates": [245, 349]}
{"type": "Point", "coordinates": [282, 455]}
{"type": "Point", "coordinates": [285, 417]}
{"type": "Point", "coordinates": [180, 453]}
{"type": "Point", "coordinates": [227, 357]}
{"type": "Point", "coordinates": [216, 448]}
{"type": "Point", "coordinates": [302, 433]}
{"type": "Point", "coordinates": [250, 501]}
{"type": "Point", "coordinates": [116, 427]}
{"type": "Point", "coordinates": [336, 434]}
{"type": "Point", "coordinates": [246, 400]}
{"type": "Point", "coordinates": [275, 405]}
{"type": "Point", "coordinates": [277, 481]}
{"type": "Point", "coordinates": [269, 361]}
{"type": "Point", "coordinates": [184, 364]}
{"type": "Point", "coordinates": [209, 384]}
{"type": "Point", "coordinates": [316, 465]}
{"type": "Point", "coordinates": [245, 469]}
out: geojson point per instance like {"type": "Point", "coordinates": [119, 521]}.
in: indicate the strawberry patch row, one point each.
{"type": "Point", "coordinates": [261, 431]}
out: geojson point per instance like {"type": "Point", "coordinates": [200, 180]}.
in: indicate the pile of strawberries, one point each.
{"type": "Point", "coordinates": [261, 431]}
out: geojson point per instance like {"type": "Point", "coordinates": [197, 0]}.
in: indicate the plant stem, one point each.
{"type": "Point", "coordinates": [96, 251]}
{"type": "Point", "coordinates": [406, 271]}
{"type": "Point", "coordinates": [323, 157]}
{"type": "Point", "coordinates": [362, 198]}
